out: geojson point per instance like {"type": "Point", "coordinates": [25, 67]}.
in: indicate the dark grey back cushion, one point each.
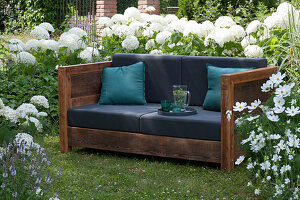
{"type": "Point", "coordinates": [194, 72]}
{"type": "Point", "coordinates": [162, 72]}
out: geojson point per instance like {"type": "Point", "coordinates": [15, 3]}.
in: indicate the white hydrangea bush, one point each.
{"type": "Point", "coordinates": [223, 37]}
{"type": "Point", "coordinates": [272, 138]}
{"type": "Point", "coordinates": [24, 116]}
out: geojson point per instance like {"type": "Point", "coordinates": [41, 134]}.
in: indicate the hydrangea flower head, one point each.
{"type": "Point", "coordinates": [26, 109]}
{"type": "Point", "coordinates": [32, 44]}
{"type": "Point", "coordinates": [252, 26]}
{"type": "Point", "coordinates": [77, 31]}
{"type": "Point", "coordinates": [253, 51]}
{"type": "Point", "coordinates": [224, 22]}
{"type": "Point", "coordinates": [163, 37]}
{"type": "Point", "coordinates": [119, 19]}
{"type": "Point", "coordinates": [150, 9]}
{"type": "Point", "coordinates": [26, 58]}
{"type": "Point", "coordinates": [130, 43]}
{"type": "Point", "coordinates": [40, 33]}
{"type": "Point", "coordinates": [48, 44]}
{"type": "Point", "coordinates": [237, 31]}
{"type": "Point", "coordinates": [39, 100]}
{"type": "Point", "coordinates": [15, 45]}
{"type": "Point", "coordinates": [105, 21]}
{"type": "Point", "coordinates": [132, 13]}
{"type": "Point", "coordinates": [47, 26]}
{"type": "Point", "coordinates": [248, 40]}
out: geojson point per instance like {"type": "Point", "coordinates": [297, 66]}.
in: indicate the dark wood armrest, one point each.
{"type": "Point", "coordinates": [241, 86]}
{"type": "Point", "coordinates": [77, 85]}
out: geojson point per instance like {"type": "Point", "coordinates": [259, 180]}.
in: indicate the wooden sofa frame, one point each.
{"type": "Point", "coordinates": [81, 85]}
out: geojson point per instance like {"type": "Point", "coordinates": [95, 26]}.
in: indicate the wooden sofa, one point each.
{"type": "Point", "coordinates": [80, 85]}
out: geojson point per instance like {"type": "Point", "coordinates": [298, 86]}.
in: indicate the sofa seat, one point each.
{"type": "Point", "coordinates": [110, 117]}
{"type": "Point", "coordinates": [205, 125]}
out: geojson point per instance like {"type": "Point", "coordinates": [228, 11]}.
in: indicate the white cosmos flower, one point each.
{"type": "Point", "coordinates": [130, 43]}
{"type": "Point", "coordinates": [240, 160]}
{"type": "Point", "coordinates": [283, 91]}
{"type": "Point", "coordinates": [47, 26]}
{"type": "Point", "coordinates": [224, 22]}
{"type": "Point", "coordinates": [15, 45]}
{"type": "Point", "coordinates": [273, 118]}
{"type": "Point", "coordinates": [40, 33]}
{"type": "Point", "coordinates": [279, 101]}
{"type": "Point", "coordinates": [276, 158]}
{"type": "Point", "coordinates": [293, 102]}
{"type": "Point", "coordinates": [275, 136]}
{"type": "Point", "coordinates": [277, 78]}
{"type": "Point", "coordinates": [105, 21]}
{"type": "Point", "coordinates": [265, 165]}
{"type": "Point", "coordinates": [278, 110]}
{"type": "Point", "coordinates": [294, 141]}
{"type": "Point", "coordinates": [253, 51]}
{"type": "Point", "coordinates": [32, 44]}
{"type": "Point", "coordinates": [285, 168]}
{"type": "Point", "coordinates": [239, 106]}
{"type": "Point", "coordinates": [254, 105]}
{"type": "Point", "coordinates": [251, 118]}
{"type": "Point", "coordinates": [257, 191]}
{"type": "Point", "coordinates": [292, 111]}
{"type": "Point", "coordinates": [77, 31]}
{"type": "Point", "coordinates": [26, 58]}
{"type": "Point", "coordinates": [252, 27]}
{"type": "Point", "coordinates": [163, 37]}
{"type": "Point", "coordinates": [267, 86]}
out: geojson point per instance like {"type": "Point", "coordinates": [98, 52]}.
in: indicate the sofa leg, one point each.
{"type": "Point", "coordinates": [65, 149]}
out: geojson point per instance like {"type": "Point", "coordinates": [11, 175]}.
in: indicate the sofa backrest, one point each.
{"type": "Point", "coordinates": [194, 72]}
{"type": "Point", "coordinates": [164, 71]}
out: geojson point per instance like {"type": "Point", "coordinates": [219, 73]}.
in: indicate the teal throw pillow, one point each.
{"type": "Point", "coordinates": [212, 99]}
{"type": "Point", "coordinates": [123, 85]}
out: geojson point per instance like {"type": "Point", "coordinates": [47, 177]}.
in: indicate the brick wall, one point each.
{"type": "Point", "coordinates": [143, 4]}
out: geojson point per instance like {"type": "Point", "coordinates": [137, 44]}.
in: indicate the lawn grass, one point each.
{"type": "Point", "coordinates": [95, 174]}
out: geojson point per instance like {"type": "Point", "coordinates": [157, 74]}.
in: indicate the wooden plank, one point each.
{"type": "Point", "coordinates": [85, 84]}
{"type": "Point", "coordinates": [227, 132]}
{"type": "Point", "coordinates": [85, 100]}
{"type": "Point", "coordinates": [87, 68]}
{"type": "Point", "coordinates": [64, 99]}
{"type": "Point", "coordinates": [190, 149]}
{"type": "Point", "coordinates": [240, 86]}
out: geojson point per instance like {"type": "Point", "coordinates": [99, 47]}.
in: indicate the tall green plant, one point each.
{"type": "Point", "coordinates": [291, 63]}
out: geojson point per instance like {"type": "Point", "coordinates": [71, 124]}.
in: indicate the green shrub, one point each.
{"type": "Point", "coordinates": [167, 3]}
{"type": "Point", "coordinates": [244, 11]}
{"type": "Point", "coordinates": [24, 14]}
{"type": "Point", "coordinates": [123, 4]}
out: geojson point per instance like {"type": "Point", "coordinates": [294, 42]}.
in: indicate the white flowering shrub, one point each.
{"type": "Point", "coordinates": [272, 138]}
{"type": "Point", "coordinates": [25, 118]}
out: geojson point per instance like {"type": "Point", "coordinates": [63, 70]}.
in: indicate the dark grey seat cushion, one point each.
{"type": "Point", "coordinates": [194, 72]}
{"type": "Point", "coordinates": [162, 72]}
{"type": "Point", "coordinates": [205, 125]}
{"type": "Point", "coordinates": [110, 117]}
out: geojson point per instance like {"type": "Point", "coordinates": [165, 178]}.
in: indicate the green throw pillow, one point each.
{"type": "Point", "coordinates": [123, 85]}
{"type": "Point", "coordinates": [212, 99]}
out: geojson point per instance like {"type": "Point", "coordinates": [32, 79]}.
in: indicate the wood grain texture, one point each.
{"type": "Point", "coordinates": [190, 149]}
{"type": "Point", "coordinates": [240, 86]}
{"type": "Point", "coordinates": [77, 85]}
